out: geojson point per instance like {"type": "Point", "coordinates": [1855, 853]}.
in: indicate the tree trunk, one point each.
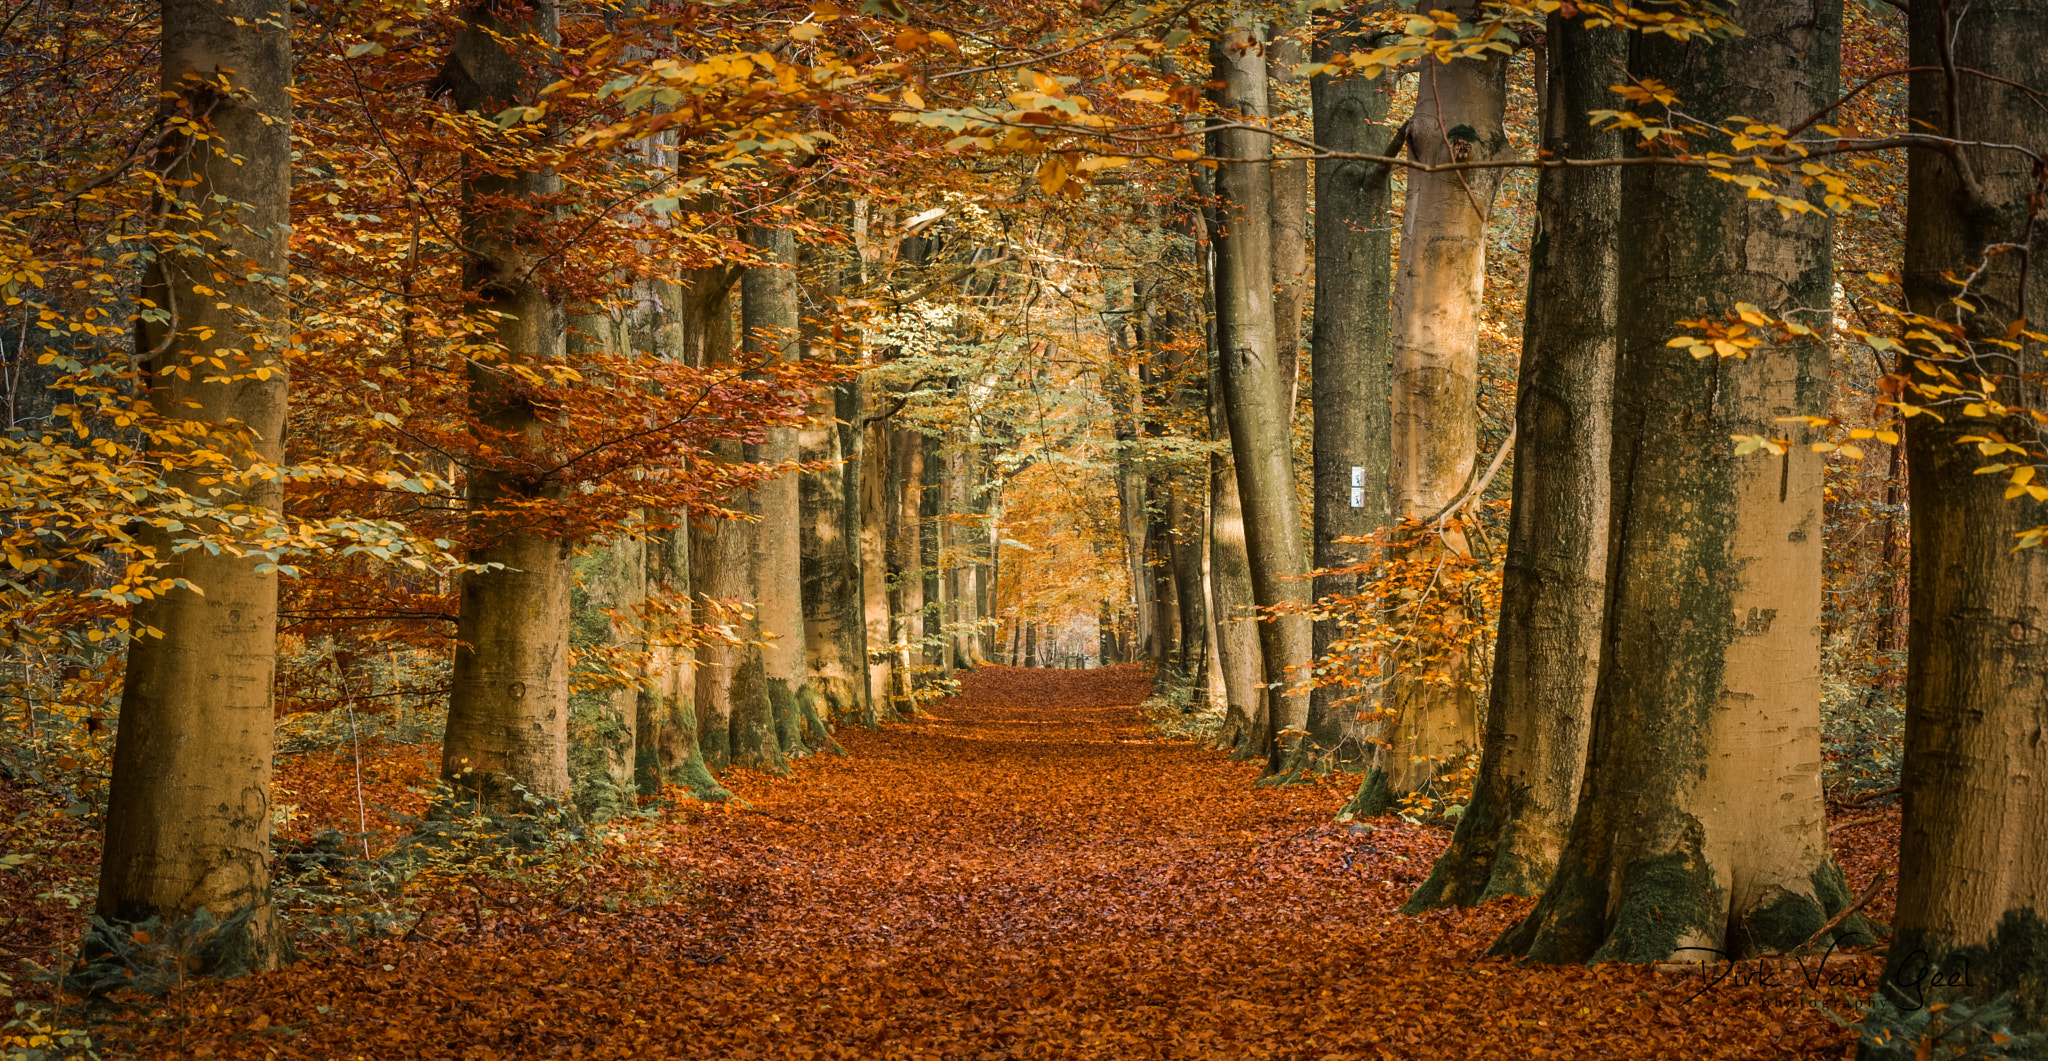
{"type": "Point", "coordinates": [508, 706]}
{"type": "Point", "coordinates": [768, 318]}
{"type": "Point", "coordinates": [728, 669]}
{"type": "Point", "coordinates": [1285, 98]}
{"type": "Point", "coordinates": [1973, 850]}
{"type": "Point", "coordinates": [188, 822]}
{"type": "Point", "coordinates": [671, 699]}
{"type": "Point", "coordinates": [1701, 823]}
{"type": "Point", "coordinates": [1256, 393]}
{"type": "Point", "coordinates": [931, 512]}
{"type": "Point", "coordinates": [1438, 298]}
{"type": "Point", "coordinates": [1245, 720]}
{"type": "Point", "coordinates": [834, 631]}
{"type": "Point", "coordinates": [603, 734]}
{"type": "Point", "coordinates": [1350, 384]}
{"type": "Point", "coordinates": [906, 575]}
{"type": "Point", "coordinates": [1554, 590]}
{"type": "Point", "coordinates": [875, 510]}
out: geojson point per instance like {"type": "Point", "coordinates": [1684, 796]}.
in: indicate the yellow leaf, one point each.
{"type": "Point", "coordinates": [806, 32]}
{"type": "Point", "coordinates": [1145, 95]}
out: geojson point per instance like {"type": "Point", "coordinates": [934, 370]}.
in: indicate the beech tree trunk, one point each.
{"type": "Point", "coordinates": [834, 625]}
{"type": "Point", "coordinates": [1287, 100]}
{"type": "Point", "coordinates": [1256, 393]}
{"type": "Point", "coordinates": [768, 318]}
{"type": "Point", "coordinates": [1438, 299]}
{"type": "Point", "coordinates": [875, 511]}
{"type": "Point", "coordinates": [721, 560]}
{"type": "Point", "coordinates": [1554, 590]}
{"type": "Point", "coordinates": [1701, 822]}
{"type": "Point", "coordinates": [906, 573]}
{"type": "Point", "coordinates": [1350, 381]}
{"type": "Point", "coordinates": [1241, 675]}
{"type": "Point", "coordinates": [188, 822]}
{"type": "Point", "coordinates": [508, 705]}
{"type": "Point", "coordinates": [671, 696]}
{"type": "Point", "coordinates": [931, 510]}
{"type": "Point", "coordinates": [1973, 850]}
{"type": "Point", "coordinates": [603, 745]}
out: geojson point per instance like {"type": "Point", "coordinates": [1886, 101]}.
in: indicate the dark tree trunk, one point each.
{"type": "Point", "coordinates": [1554, 588]}
{"type": "Point", "coordinates": [1350, 382]}
{"type": "Point", "coordinates": [1973, 851]}
{"type": "Point", "coordinates": [1701, 822]}
{"type": "Point", "coordinates": [1256, 395]}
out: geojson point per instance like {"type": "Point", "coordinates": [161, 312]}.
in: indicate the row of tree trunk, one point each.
{"type": "Point", "coordinates": [836, 598]}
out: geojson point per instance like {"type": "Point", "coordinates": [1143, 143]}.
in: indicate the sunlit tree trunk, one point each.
{"type": "Point", "coordinates": [906, 569]}
{"type": "Point", "coordinates": [1350, 382]}
{"type": "Point", "coordinates": [875, 513]}
{"type": "Point", "coordinates": [1438, 298]}
{"type": "Point", "coordinates": [1240, 674]}
{"type": "Point", "coordinates": [188, 824]}
{"type": "Point", "coordinates": [1256, 391]}
{"type": "Point", "coordinates": [508, 705]}
{"type": "Point", "coordinates": [765, 732]}
{"type": "Point", "coordinates": [1973, 850]}
{"type": "Point", "coordinates": [1701, 823]}
{"type": "Point", "coordinates": [1547, 655]}
{"type": "Point", "coordinates": [834, 629]}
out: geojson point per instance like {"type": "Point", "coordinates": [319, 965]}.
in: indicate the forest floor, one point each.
{"type": "Point", "coordinates": [1025, 871]}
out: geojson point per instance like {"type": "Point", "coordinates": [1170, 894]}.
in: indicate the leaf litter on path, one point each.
{"type": "Point", "coordinates": [1024, 871]}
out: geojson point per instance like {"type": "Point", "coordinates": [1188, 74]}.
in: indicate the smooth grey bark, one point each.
{"type": "Point", "coordinates": [876, 441]}
{"type": "Point", "coordinates": [1700, 821]}
{"type": "Point", "coordinates": [1350, 382]}
{"type": "Point", "coordinates": [1554, 591]}
{"type": "Point", "coordinates": [906, 575]}
{"type": "Point", "coordinates": [1287, 102]}
{"type": "Point", "coordinates": [834, 625]}
{"type": "Point", "coordinates": [1239, 670]}
{"type": "Point", "coordinates": [1973, 848]}
{"type": "Point", "coordinates": [766, 733]}
{"type": "Point", "coordinates": [508, 705]}
{"type": "Point", "coordinates": [728, 665]}
{"type": "Point", "coordinates": [1256, 392]}
{"type": "Point", "coordinates": [189, 817]}
{"type": "Point", "coordinates": [1439, 296]}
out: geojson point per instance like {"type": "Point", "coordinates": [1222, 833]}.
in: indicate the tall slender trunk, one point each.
{"type": "Point", "coordinates": [1350, 384]}
{"type": "Point", "coordinates": [906, 569]}
{"type": "Point", "coordinates": [728, 666]}
{"type": "Point", "coordinates": [1256, 392]}
{"type": "Point", "coordinates": [603, 733]}
{"type": "Point", "coordinates": [508, 705]}
{"type": "Point", "coordinates": [767, 732]}
{"type": "Point", "coordinates": [1973, 850]}
{"type": "Point", "coordinates": [1700, 821]}
{"type": "Point", "coordinates": [1286, 99]}
{"type": "Point", "coordinates": [188, 823]}
{"type": "Point", "coordinates": [670, 699]}
{"type": "Point", "coordinates": [1554, 594]}
{"type": "Point", "coordinates": [1240, 674]}
{"type": "Point", "coordinates": [834, 631]}
{"type": "Point", "coordinates": [875, 513]}
{"type": "Point", "coordinates": [931, 522]}
{"type": "Point", "coordinates": [1438, 298]}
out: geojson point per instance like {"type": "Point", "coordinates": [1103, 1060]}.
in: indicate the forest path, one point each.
{"type": "Point", "coordinates": [1025, 871]}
